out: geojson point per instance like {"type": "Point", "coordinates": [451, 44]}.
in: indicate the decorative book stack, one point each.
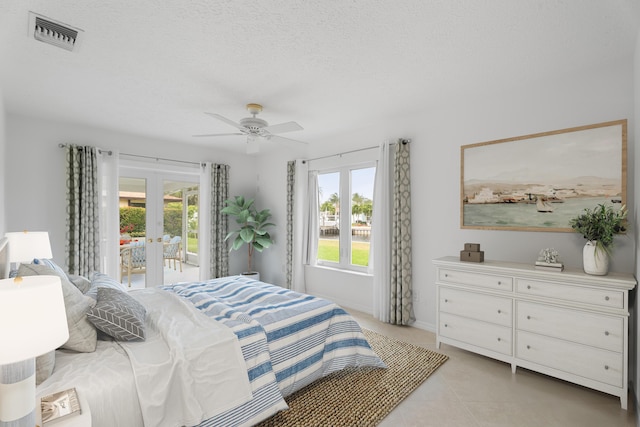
{"type": "Point", "coordinates": [472, 253]}
{"type": "Point", "coordinates": [59, 405]}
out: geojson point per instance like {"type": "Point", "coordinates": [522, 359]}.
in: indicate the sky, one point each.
{"type": "Point", "coordinates": [361, 182]}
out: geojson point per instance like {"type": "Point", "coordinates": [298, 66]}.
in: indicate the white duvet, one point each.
{"type": "Point", "coordinates": [188, 369]}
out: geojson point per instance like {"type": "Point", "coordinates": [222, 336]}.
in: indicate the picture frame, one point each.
{"type": "Point", "coordinates": [538, 182]}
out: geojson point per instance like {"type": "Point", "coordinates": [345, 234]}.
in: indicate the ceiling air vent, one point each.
{"type": "Point", "coordinates": [56, 33]}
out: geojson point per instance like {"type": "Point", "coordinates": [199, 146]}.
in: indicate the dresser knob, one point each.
{"type": "Point", "coordinates": [606, 367]}
{"type": "Point", "coordinates": [606, 333]}
{"type": "Point", "coordinates": [528, 347]}
{"type": "Point", "coordinates": [499, 311]}
{"type": "Point", "coordinates": [446, 275]}
{"type": "Point", "coordinates": [528, 286]}
{"type": "Point", "coordinates": [528, 317]}
{"type": "Point", "coordinates": [606, 298]}
{"type": "Point", "coordinates": [446, 326]}
{"type": "Point", "coordinates": [499, 339]}
{"type": "Point", "coordinates": [499, 282]}
{"type": "Point", "coordinates": [446, 300]}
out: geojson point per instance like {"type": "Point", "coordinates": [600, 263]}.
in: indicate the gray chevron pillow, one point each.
{"type": "Point", "coordinates": [119, 315]}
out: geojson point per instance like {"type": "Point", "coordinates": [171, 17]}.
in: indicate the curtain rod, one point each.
{"type": "Point", "coordinates": [402, 140]}
{"type": "Point", "coordinates": [109, 152]}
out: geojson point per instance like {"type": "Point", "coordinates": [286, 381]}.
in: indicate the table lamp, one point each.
{"type": "Point", "coordinates": [33, 322]}
{"type": "Point", "coordinates": [24, 246]}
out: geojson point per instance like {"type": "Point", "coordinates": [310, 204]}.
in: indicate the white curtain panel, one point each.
{"type": "Point", "coordinates": [299, 228]}
{"type": "Point", "coordinates": [204, 216]}
{"type": "Point", "coordinates": [380, 254]}
{"type": "Point", "coordinates": [108, 164]}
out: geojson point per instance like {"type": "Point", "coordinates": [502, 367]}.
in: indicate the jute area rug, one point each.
{"type": "Point", "coordinates": [361, 396]}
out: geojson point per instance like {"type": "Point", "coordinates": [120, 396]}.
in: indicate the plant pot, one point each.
{"type": "Point", "coordinates": [595, 260]}
{"type": "Point", "coordinates": [255, 275]}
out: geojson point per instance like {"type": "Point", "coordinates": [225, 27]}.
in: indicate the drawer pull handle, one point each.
{"type": "Point", "coordinates": [446, 326]}
{"type": "Point", "coordinates": [606, 367]}
{"type": "Point", "coordinates": [446, 275]}
{"type": "Point", "coordinates": [499, 282]}
{"type": "Point", "coordinates": [606, 333]}
{"type": "Point", "coordinates": [499, 311]}
{"type": "Point", "coordinates": [528, 286]}
{"type": "Point", "coordinates": [528, 347]}
{"type": "Point", "coordinates": [446, 300]}
{"type": "Point", "coordinates": [499, 339]}
{"type": "Point", "coordinates": [528, 317]}
{"type": "Point", "coordinates": [606, 298]}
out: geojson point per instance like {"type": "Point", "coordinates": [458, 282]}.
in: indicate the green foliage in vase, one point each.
{"type": "Point", "coordinates": [600, 224]}
{"type": "Point", "coordinates": [252, 225]}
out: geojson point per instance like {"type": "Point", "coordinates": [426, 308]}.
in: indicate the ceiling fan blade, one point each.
{"type": "Point", "coordinates": [283, 127]}
{"type": "Point", "coordinates": [219, 134]}
{"type": "Point", "coordinates": [227, 121]}
{"type": "Point", "coordinates": [279, 138]}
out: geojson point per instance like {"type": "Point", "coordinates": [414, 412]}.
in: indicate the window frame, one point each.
{"type": "Point", "coordinates": [345, 236]}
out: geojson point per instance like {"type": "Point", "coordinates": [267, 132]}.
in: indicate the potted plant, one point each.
{"type": "Point", "coordinates": [252, 228]}
{"type": "Point", "coordinates": [598, 226]}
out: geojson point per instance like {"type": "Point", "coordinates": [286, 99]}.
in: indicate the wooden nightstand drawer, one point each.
{"type": "Point", "coordinates": [592, 329]}
{"type": "Point", "coordinates": [487, 308]}
{"type": "Point", "coordinates": [580, 294]}
{"type": "Point", "coordinates": [488, 281]}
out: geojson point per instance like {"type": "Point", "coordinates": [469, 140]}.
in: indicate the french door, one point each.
{"type": "Point", "coordinates": [159, 226]}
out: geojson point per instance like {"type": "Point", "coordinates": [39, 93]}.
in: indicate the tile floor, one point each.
{"type": "Point", "coordinates": [474, 391]}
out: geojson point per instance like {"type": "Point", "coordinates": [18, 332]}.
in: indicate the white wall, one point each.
{"type": "Point", "coordinates": [35, 193]}
{"type": "Point", "coordinates": [593, 96]}
{"type": "Point", "coordinates": [634, 219]}
{"type": "Point", "coordinates": [3, 158]}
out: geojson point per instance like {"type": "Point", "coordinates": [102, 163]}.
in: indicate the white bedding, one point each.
{"type": "Point", "coordinates": [178, 380]}
{"type": "Point", "coordinates": [107, 368]}
{"type": "Point", "coordinates": [189, 368]}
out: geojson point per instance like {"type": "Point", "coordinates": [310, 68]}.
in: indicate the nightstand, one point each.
{"type": "Point", "coordinates": [82, 420]}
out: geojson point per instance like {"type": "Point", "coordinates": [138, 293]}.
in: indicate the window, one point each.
{"type": "Point", "coordinates": [344, 217]}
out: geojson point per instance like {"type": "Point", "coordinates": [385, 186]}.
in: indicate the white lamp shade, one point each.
{"type": "Point", "coordinates": [24, 246]}
{"type": "Point", "coordinates": [33, 320]}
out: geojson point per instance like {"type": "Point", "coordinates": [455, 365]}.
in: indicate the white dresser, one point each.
{"type": "Point", "coordinates": [568, 324]}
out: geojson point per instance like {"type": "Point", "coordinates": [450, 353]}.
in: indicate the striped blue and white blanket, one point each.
{"type": "Point", "coordinates": [284, 335]}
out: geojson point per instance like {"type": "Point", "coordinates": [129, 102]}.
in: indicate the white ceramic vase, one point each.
{"type": "Point", "coordinates": [595, 259]}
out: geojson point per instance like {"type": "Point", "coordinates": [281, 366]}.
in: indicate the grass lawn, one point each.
{"type": "Point", "coordinates": [328, 250]}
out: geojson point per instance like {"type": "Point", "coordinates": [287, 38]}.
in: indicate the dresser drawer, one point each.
{"type": "Point", "coordinates": [481, 334]}
{"type": "Point", "coordinates": [560, 291]}
{"type": "Point", "coordinates": [592, 329]}
{"type": "Point", "coordinates": [588, 362]}
{"type": "Point", "coordinates": [476, 306]}
{"type": "Point", "coordinates": [482, 280]}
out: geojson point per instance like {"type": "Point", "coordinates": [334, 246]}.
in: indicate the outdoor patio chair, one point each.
{"type": "Point", "coordinates": [173, 251]}
{"type": "Point", "coordinates": [133, 259]}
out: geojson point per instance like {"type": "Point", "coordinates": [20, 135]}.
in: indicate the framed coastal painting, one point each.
{"type": "Point", "coordinates": [539, 182]}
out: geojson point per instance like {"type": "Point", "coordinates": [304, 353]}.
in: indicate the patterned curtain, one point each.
{"type": "Point", "coordinates": [219, 225]}
{"type": "Point", "coordinates": [83, 222]}
{"type": "Point", "coordinates": [401, 310]}
{"type": "Point", "coordinates": [291, 171]}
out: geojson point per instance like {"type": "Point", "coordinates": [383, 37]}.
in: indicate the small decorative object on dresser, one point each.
{"type": "Point", "coordinates": [598, 226]}
{"type": "Point", "coordinates": [549, 259]}
{"type": "Point", "coordinates": [472, 253]}
{"type": "Point", "coordinates": [568, 324]}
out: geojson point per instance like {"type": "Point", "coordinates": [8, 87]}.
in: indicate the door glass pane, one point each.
{"type": "Point", "coordinates": [329, 233]}
{"type": "Point", "coordinates": [180, 231]}
{"type": "Point", "coordinates": [362, 181]}
{"type": "Point", "coordinates": [133, 203]}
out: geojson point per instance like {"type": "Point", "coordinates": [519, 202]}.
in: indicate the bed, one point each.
{"type": "Point", "coordinates": [224, 352]}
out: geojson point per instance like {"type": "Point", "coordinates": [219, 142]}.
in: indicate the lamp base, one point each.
{"type": "Point", "coordinates": [18, 394]}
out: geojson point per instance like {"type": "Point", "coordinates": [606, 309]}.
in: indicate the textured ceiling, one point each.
{"type": "Point", "coordinates": [153, 67]}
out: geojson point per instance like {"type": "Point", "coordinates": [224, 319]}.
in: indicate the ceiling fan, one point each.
{"type": "Point", "coordinates": [257, 129]}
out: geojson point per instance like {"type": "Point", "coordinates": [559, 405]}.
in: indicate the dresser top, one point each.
{"type": "Point", "coordinates": [624, 280]}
